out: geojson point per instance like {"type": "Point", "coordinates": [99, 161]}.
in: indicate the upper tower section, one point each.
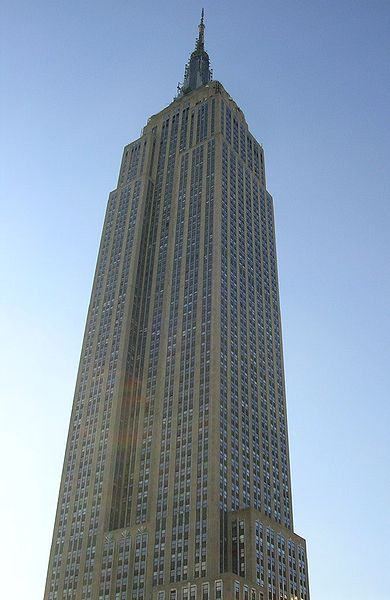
{"type": "Point", "coordinates": [197, 71]}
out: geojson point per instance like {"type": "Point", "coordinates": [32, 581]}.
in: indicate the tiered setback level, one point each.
{"type": "Point", "coordinates": [176, 481]}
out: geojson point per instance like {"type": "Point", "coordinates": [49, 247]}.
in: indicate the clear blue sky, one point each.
{"type": "Point", "coordinates": [79, 80]}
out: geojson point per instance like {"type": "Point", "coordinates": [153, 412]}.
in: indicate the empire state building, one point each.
{"type": "Point", "coordinates": [176, 479]}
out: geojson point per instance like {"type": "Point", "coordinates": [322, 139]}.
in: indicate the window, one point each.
{"type": "Point", "coordinates": [218, 590]}
{"type": "Point", "coordinates": [236, 590]}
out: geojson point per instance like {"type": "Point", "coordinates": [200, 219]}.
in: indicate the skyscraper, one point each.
{"type": "Point", "coordinates": [176, 479]}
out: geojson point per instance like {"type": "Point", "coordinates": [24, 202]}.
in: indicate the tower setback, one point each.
{"type": "Point", "coordinates": [176, 479]}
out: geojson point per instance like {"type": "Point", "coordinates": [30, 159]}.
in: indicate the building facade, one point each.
{"type": "Point", "coordinates": [176, 479]}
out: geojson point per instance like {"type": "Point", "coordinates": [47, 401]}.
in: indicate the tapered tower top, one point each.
{"type": "Point", "coordinates": [197, 71]}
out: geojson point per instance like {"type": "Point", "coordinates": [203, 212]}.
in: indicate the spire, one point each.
{"type": "Point", "coordinates": [197, 71]}
{"type": "Point", "coordinates": [200, 40]}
